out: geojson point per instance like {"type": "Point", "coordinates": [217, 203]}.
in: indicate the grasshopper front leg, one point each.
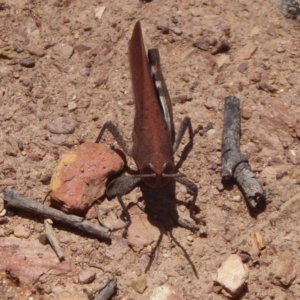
{"type": "Point", "coordinates": [121, 185]}
{"type": "Point", "coordinates": [112, 128]}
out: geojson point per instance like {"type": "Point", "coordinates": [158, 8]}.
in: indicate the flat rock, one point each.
{"type": "Point", "coordinates": [64, 51]}
{"type": "Point", "coordinates": [27, 62]}
{"type": "Point", "coordinates": [284, 268]}
{"type": "Point", "coordinates": [141, 233]}
{"type": "Point", "coordinates": [36, 50]}
{"type": "Point", "coordinates": [202, 43]}
{"type": "Point", "coordinates": [247, 51]}
{"type": "Point", "coordinates": [139, 284]}
{"type": "Point", "coordinates": [166, 292]}
{"type": "Point", "coordinates": [99, 10]}
{"type": "Point", "coordinates": [222, 61]}
{"type": "Point", "coordinates": [21, 232]}
{"type": "Point", "coordinates": [81, 176]}
{"type": "Point", "coordinates": [61, 125]}
{"type": "Point", "coordinates": [39, 259]}
{"type": "Point", "coordinates": [232, 275]}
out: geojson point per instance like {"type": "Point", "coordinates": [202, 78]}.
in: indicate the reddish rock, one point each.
{"type": "Point", "coordinates": [82, 48]}
{"type": "Point", "coordinates": [247, 51]}
{"type": "Point", "coordinates": [86, 276]}
{"type": "Point", "coordinates": [243, 67]}
{"type": "Point", "coordinates": [28, 259]}
{"type": "Point", "coordinates": [81, 176]}
{"type": "Point", "coordinates": [202, 43]}
{"type": "Point", "coordinates": [285, 269]}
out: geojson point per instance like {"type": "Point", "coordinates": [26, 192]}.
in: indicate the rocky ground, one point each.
{"type": "Point", "coordinates": [64, 73]}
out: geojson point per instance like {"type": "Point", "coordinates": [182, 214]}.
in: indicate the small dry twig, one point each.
{"type": "Point", "coordinates": [51, 236]}
{"type": "Point", "coordinates": [14, 199]}
{"type": "Point", "coordinates": [107, 291]}
{"type": "Point", "coordinates": [234, 164]}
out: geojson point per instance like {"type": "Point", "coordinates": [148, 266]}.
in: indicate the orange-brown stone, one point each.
{"type": "Point", "coordinates": [81, 176]}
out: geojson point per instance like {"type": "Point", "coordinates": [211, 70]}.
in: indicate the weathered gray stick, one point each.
{"type": "Point", "coordinates": [107, 291]}
{"type": "Point", "coordinates": [51, 236]}
{"type": "Point", "coordinates": [14, 199]}
{"type": "Point", "coordinates": [234, 164]}
{"type": "Point", "coordinates": [290, 8]}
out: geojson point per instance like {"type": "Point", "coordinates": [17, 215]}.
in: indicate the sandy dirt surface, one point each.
{"type": "Point", "coordinates": [62, 62]}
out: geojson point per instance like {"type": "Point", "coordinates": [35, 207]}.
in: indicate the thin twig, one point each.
{"type": "Point", "coordinates": [107, 291]}
{"type": "Point", "coordinates": [14, 199]}
{"type": "Point", "coordinates": [51, 236]}
{"type": "Point", "coordinates": [234, 164]}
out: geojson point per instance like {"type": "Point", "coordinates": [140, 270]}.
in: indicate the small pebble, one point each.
{"type": "Point", "coordinates": [280, 174]}
{"type": "Point", "coordinates": [27, 62]}
{"type": "Point", "coordinates": [149, 248]}
{"type": "Point", "coordinates": [61, 125]}
{"type": "Point", "coordinates": [222, 61]}
{"type": "Point", "coordinates": [284, 269]}
{"type": "Point", "coordinates": [266, 87]}
{"type": "Point", "coordinates": [140, 284]}
{"type": "Point", "coordinates": [166, 292]}
{"type": "Point", "coordinates": [190, 238]}
{"type": "Point", "coordinates": [81, 48]}
{"type": "Point", "coordinates": [18, 127]}
{"type": "Point", "coordinates": [182, 208]}
{"type": "Point", "coordinates": [46, 178]}
{"type": "Point", "coordinates": [85, 71]}
{"type": "Point", "coordinates": [99, 12]}
{"type": "Point", "coordinates": [20, 145]}
{"type": "Point", "coordinates": [243, 67]}
{"type": "Point", "coordinates": [21, 232]}
{"type": "Point", "coordinates": [196, 11]}
{"type": "Point", "coordinates": [36, 50]}
{"type": "Point", "coordinates": [202, 43]}
{"type": "Point", "coordinates": [247, 51]}
{"type": "Point", "coordinates": [220, 187]}
{"type": "Point", "coordinates": [280, 50]}
{"type": "Point", "coordinates": [246, 113]}
{"type": "Point", "coordinates": [175, 29]}
{"type": "Point", "coordinates": [233, 275]}
{"type": "Point", "coordinates": [18, 47]}
{"type": "Point", "coordinates": [236, 198]}
{"type": "Point", "coordinates": [43, 239]}
{"type": "Point", "coordinates": [72, 106]}
{"type": "Point", "coordinates": [211, 133]}
{"type": "Point", "coordinates": [86, 276]}
{"type": "Point", "coordinates": [245, 257]}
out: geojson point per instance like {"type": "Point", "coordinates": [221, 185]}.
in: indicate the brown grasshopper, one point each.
{"type": "Point", "coordinates": [153, 136]}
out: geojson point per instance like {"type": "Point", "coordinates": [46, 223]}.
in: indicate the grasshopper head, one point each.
{"type": "Point", "coordinates": [157, 171]}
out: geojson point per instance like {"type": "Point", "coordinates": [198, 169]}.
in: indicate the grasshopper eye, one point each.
{"type": "Point", "coordinates": [147, 169]}
{"type": "Point", "coordinates": [169, 168]}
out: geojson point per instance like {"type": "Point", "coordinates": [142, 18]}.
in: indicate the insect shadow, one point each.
{"type": "Point", "coordinates": [162, 207]}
